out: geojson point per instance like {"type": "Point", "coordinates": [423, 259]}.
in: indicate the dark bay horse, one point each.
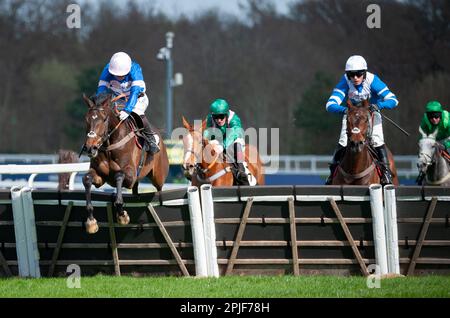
{"type": "Point", "coordinates": [434, 162]}
{"type": "Point", "coordinates": [202, 165]}
{"type": "Point", "coordinates": [358, 165]}
{"type": "Point", "coordinates": [116, 156]}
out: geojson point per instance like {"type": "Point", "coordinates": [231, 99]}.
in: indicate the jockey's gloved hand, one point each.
{"type": "Point", "coordinates": [218, 148]}
{"type": "Point", "coordinates": [374, 108]}
{"type": "Point", "coordinates": [123, 115]}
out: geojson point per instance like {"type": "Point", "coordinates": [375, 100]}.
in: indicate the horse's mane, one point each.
{"type": "Point", "coordinates": [100, 98]}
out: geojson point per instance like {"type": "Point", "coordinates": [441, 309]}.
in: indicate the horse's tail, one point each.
{"type": "Point", "coordinates": [65, 156]}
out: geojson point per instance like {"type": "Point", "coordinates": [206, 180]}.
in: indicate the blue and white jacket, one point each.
{"type": "Point", "coordinates": [132, 85]}
{"type": "Point", "coordinates": [371, 87]}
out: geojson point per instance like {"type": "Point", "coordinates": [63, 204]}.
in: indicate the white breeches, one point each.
{"type": "Point", "coordinates": [141, 105]}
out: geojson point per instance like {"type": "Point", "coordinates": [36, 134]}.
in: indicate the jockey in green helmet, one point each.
{"type": "Point", "coordinates": [436, 122]}
{"type": "Point", "coordinates": [225, 132]}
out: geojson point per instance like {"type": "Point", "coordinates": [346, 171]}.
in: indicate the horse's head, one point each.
{"type": "Point", "coordinates": [357, 125]}
{"type": "Point", "coordinates": [193, 147]}
{"type": "Point", "coordinates": [429, 153]}
{"type": "Point", "coordinates": [97, 122]}
{"type": "Point", "coordinates": [426, 153]}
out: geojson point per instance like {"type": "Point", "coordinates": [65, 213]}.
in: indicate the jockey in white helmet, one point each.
{"type": "Point", "coordinates": [358, 84]}
{"type": "Point", "coordinates": [124, 76]}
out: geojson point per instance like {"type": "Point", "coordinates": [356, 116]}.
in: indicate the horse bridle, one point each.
{"type": "Point", "coordinates": [107, 135]}
{"type": "Point", "coordinates": [356, 130]}
{"type": "Point", "coordinates": [198, 170]}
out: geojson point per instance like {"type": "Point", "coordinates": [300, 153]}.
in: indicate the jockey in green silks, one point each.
{"type": "Point", "coordinates": [224, 131]}
{"type": "Point", "coordinates": [436, 123]}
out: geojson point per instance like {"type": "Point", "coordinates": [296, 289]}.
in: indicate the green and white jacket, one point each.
{"type": "Point", "coordinates": [231, 131]}
{"type": "Point", "coordinates": [440, 132]}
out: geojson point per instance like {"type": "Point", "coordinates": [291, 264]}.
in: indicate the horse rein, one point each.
{"type": "Point", "coordinates": [202, 171]}
{"type": "Point", "coordinates": [372, 153]}
{"type": "Point", "coordinates": [104, 138]}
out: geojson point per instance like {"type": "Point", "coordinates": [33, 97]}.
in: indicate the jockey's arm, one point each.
{"type": "Point", "coordinates": [234, 132]}
{"type": "Point", "coordinates": [386, 99]}
{"type": "Point", "coordinates": [137, 87]}
{"type": "Point", "coordinates": [103, 82]}
{"type": "Point", "coordinates": [337, 96]}
{"type": "Point", "coordinates": [446, 126]}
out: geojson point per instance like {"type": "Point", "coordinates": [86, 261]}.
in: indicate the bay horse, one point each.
{"type": "Point", "coordinates": [202, 165]}
{"type": "Point", "coordinates": [116, 156]}
{"type": "Point", "coordinates": [433, 163]}
{"type": "Point", "coordinates": [358, 165]}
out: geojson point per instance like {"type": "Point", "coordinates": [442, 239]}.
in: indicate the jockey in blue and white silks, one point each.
{"type": "Point", "coordinates": [124, 76]}
{"type": "Point", "coordinates": [358, 84]}
{"type": "Point", "coordinates": [131, 84]}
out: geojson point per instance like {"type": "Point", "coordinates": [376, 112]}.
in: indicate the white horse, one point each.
{"type": "Point", "coordinates": [432, 162]}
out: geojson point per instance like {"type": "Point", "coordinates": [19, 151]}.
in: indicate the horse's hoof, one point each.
{"type": "Point", "coordinates": [123, 219]}
{"type": "Point", "coordinates": [91, 226]}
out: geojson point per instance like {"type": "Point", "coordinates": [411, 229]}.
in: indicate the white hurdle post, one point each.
{"type": "Point", "coordinates": [198, 237]}
{"type": "Point", "coordinates": [390, 217]}
{"type": "Point", "coordinates": [379, 234]}
{"type": "Point", "coordinates": [30, 228]}
{"type": "Point", "coordinates": [20, 232]}
{"type": "Point", "coordinates": [209, 229]}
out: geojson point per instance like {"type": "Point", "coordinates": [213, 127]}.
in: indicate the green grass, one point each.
{"type": "Point", "coordinates": [224, 287]}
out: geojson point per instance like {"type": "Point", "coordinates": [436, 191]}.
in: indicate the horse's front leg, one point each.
{"type": "Point", "coordinates": [91, 178]}
{"type": "Point", "coordinates": [122, 215]}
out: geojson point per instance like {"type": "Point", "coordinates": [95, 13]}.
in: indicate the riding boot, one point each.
{"type": "Point", "coordinates": [386, 177]}
{"type": "Point", "coordinates": [150, 144]}
{"type": "Point", "coordinates": [338, 152]}
{"type": "Point", "coordinates": [238, 165]}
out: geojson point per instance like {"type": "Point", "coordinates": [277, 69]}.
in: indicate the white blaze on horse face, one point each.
{"type": "Point", "coordinates": [356, 130]}
{"type": "Point", "coordinates": [188, 142]}
{"type": "Point", "coordinates": [92, 134]}
{"type": "Point", "coordinates": [94, 117]}
{"type": "Point", "coordinates": [426, 149]}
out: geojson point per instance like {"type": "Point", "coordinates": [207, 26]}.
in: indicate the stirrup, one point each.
{"type": "Point", "coordinates": [386, 177]}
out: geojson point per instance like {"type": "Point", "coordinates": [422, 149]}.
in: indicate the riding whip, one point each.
{"type": "Point", "coordinates": [395, 124]}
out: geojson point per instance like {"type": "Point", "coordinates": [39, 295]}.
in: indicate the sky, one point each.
{"type": "Point", "coordinates": [174, 8]}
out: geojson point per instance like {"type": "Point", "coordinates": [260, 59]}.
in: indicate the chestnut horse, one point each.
{"type": "Point", "coordinates": [202, 165]}
{"type": "Point", "coordinates": [116, 157]}
{"type": "Point", "coordinates": [358, 165]}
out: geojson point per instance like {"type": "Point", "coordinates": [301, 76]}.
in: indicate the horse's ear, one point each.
{"type": "Point", "coordinates": [186, 124]}
{"type": "Point", "coordinates": [365, 103]}
{"type": "Point", "coordinates": [203, 124]}
{"type": "Point", "coordinates": [88, 101]}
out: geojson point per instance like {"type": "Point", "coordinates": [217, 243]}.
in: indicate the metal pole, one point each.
{"type": "Point", "coordinates": [169, 105]}
{"type": "Point", "coordinates": [169, 71]}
